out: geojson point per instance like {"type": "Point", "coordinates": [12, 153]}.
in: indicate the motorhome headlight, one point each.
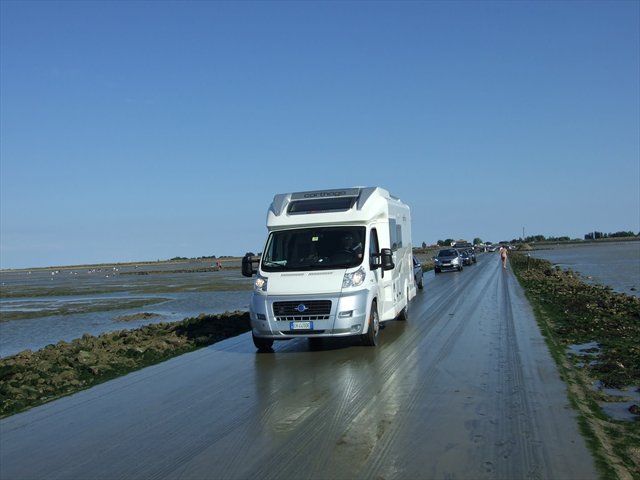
{"type": "Point", "coordinates": [354, 279]}
{"type": "Point", "coordinates": [260, 283]}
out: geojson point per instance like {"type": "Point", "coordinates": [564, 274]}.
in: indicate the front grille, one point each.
{"type": "Point", "coordinates": [302, 310]}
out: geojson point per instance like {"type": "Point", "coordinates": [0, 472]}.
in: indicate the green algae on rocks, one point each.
{"type": "Point", "coordinates": [28, 379]}
{"type": "Point", "coordinates": [583, 313]}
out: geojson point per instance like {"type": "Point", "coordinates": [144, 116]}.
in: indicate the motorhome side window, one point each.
{"type": "Point", "coordinates": [314, 249]}
{"type": "Point", "coordinates": [395, 235]}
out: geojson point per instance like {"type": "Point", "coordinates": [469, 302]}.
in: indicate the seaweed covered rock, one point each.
{"type": "Point", "coordinates": [31, 378]}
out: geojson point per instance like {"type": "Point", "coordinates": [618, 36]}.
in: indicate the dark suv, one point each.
{"type": "Point", "coordinates": [466, 258]}
{"type": "Point", "coordinates": [468, 255]}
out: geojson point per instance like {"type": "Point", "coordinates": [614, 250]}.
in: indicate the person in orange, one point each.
{"type": "Point", "coordinates": [503, 256]}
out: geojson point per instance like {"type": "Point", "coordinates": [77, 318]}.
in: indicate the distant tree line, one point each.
{"type": "Point", "coordinates": [449, 241]}
{"type": "Point", "coordinates": [588, 236]}
{"type": "Point", "coordinates": [596, 235]}
{"type": "Point", "coordinates": [541, 238]}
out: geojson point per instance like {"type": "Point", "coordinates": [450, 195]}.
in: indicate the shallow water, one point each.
{"type": "Point", "coordinates": [615, 264]}
{"type": "Point", "coordinates": [44, 306]}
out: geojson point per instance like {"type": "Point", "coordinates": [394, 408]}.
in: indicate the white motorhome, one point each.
{"type": "Point", "coordinates": [335, 263]}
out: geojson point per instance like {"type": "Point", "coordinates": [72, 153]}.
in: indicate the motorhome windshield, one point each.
{"type": "Point", "coordinates": [318, 248]}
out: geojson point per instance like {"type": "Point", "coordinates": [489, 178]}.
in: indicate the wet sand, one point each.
{"type": "Point", "coordinates": [464, 389]}
{"type": "Point", "coordinates": [43, 306]}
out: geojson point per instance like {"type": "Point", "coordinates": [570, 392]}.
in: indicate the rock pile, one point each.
{"type": "Point", "coordinates": [31, 378]}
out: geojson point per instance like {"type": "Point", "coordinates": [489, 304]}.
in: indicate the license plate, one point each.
{"type": "Point", "coordinates": [301, 325]}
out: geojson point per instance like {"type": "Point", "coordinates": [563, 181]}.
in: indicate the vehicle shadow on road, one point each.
{"type": "Point", "coordinates": [389, 333]}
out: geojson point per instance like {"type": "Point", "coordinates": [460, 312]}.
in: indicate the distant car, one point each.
{"type": "Point", "coordinates": [466, 257]}
{"type": "Point", "coordinates": [417, 273]}
{"type": "Point", "coordinates": [447, 259]}
{"type": "Point", "coordinates": [472, 254]}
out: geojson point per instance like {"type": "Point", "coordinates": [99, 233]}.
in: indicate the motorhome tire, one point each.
{"type": "Point", "coordinates": [262, 344]}
{"type": "Point", "coordinates": [370, 338]}
{"type": "Point", "coordinates": [404, 313]}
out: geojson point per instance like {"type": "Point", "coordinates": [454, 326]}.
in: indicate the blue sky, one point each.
{"type": "Point", "coordinates": [134, 131]}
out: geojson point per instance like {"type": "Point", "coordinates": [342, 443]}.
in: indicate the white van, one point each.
{"type": "Point", "coordinates": [336, 263]}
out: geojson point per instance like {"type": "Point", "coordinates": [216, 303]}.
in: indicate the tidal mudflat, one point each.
{"type": "Point", "coordinates": [43, 306]}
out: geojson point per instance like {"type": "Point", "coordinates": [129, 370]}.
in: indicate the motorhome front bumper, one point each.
{"type": "Point", "coordinates": [309, 315]}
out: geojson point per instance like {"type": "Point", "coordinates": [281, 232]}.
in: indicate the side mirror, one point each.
{"type": "Point", "coordinates": [247, 265]}
{"type": "Point", "coordinates": [386, 256]}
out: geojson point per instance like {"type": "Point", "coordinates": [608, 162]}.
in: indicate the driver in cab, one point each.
{"type": "Point", "coordinates": [348, 247]}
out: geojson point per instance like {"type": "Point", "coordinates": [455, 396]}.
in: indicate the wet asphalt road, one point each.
{"type": "Point", "coordinates": [464, 390]}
